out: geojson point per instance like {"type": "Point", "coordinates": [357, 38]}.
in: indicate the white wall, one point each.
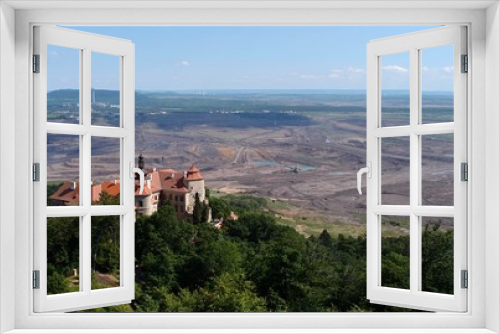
{"type": "Point", "coordinates": [492, 149]}
{"type": "Point", "coordinates": [7, 170]}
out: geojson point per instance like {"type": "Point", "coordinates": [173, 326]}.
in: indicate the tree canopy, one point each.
{"type": "Point", "coordinates": [252, 264]}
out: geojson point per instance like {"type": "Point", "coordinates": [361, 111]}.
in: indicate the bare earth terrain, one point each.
{"type": "Point", "coordinates": [306, 167]}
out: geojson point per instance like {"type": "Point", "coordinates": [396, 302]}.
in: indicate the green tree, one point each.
{"type": "Point", "coordinates": [226, 293]}
{"type": "Point", "coordinates": [325, 239]}
{"type": "Point", "coordinates": [197, 210]}
{"type": "Point", "coordinates": [105, 243]}
{"type": "Point", "coordinates": [220, 208]}
{"type": "Point", "coordinates": [206, 213]}
{"type": "Point", "coordinates": [437, 259]}
{"type": "Point", "coordinates": [163, 244]}
{"type": "Point", "coordinates": [63, 247]}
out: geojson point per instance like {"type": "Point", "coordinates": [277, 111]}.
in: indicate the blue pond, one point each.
{"type": "Point", "coordinates": [291, 166]}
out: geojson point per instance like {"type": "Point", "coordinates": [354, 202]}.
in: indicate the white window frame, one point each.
{"type": "Point", "coordinates": [86, 44]}
{"type": "Point", "coordinates": [484, 212]}
{"type": "Point", "coordinates": [413, 44]}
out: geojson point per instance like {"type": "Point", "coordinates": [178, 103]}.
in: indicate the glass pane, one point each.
{"type": "Point", "coordinates": [437, 169]}
{"type": "Point", "coordinates": [437, 255]}
{"type": "Point", "coordinates": [105, 171]}
{"type": "Point", "coordinates": [395, 89]}
{"type": "Point", "coordinates": [63, 85]}
{"type": "Point", "coordinates": [395, 171]}
{"type": "Point", "coordinates": [437, 84]}
{"type": "Point", "coordinates": [395, 231]}
{"type": "Point", "coordinates": [63, 170]}
{"type": "Point", "coordinates": [105, 89]}
{"type": "Point", "coordinates": [105, 252]}
{"type": "Point", "coordinates": [63, 254]}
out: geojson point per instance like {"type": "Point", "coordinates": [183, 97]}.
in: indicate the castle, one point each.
{"type": "Point", "coordinates": [161, 186]}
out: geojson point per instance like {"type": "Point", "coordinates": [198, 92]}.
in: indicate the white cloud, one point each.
{"type": "Point", "coordinates": [184, 63]}
{"type": "Point", "coordinates": [350, 72]}
{"type": "Point", "coordinates": [448, 69]}
{"type": "Point", "coordinates": [425, 69]}
{"type": "Point", "coordinates": [310, 76]}
{"type": "Point", "coordinates": [395, 69]}
{"type": "Point", "coordinates": [335, 74]}
{"type": "Point", "coordinates": [356, 70]}
{"type": "Point", "coordinates": [306, 76]}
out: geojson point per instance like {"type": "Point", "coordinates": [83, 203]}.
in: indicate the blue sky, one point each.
{"type": "Point", "coordinates": [203, 58]}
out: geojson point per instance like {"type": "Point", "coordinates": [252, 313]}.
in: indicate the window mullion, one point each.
{"type": "Point", "coordinates": [85, 168]}
{"type": "Point", "coordinates": [85, 255]}
{"type": "Point", "coordinates": [86, 114]}
{"type": "Point", "coordinates": [414, 170]}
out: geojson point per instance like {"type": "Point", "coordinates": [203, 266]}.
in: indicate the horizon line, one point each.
{"type": "Point", "coordinates": [199, 90]}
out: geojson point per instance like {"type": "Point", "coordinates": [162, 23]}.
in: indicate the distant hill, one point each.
{"type": "Point", "coordinates": [64, 95]}
{"type": "Point", "coordinates": [72, 96]}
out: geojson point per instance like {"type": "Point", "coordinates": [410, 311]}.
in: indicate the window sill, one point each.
{"type": "Point", "coordinates": [252, 331]}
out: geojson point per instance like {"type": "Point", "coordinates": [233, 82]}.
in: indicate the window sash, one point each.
{"type": "Point", "coordinates": [87, 43]}
{"type": "Point", "coordinates": [414, 297]}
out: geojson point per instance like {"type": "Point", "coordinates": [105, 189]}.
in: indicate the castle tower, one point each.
{"type": "Point", "coordinates": [141, 165]}
{"type": "Point", "coordinates": [141, 161]}
{"type": "Point", "coordinates": [193, 180]}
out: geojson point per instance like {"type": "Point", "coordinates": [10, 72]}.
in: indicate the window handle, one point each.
{"type": "Point", "coordinates": [139, 171]}
{"type": "Point", "coordinates": [368, 171]}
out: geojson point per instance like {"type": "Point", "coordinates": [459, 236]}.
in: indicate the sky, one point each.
{"type": "Point", "coordinates": [209, 58]}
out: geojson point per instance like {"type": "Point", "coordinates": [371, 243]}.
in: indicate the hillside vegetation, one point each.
{"type": "Point", "coordinates": [250, 265]}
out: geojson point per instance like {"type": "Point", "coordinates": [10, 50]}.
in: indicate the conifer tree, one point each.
{"type": "Point", "coordinates": [197, 210]}
{"type": "Point", "coordinates": [206, 213]}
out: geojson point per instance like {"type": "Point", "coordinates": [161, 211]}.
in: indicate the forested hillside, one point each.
{"type": "Point", "coordinates": [250, 265]}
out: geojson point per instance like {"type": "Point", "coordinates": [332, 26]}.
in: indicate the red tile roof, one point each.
{"type": "Point", "coordinates": [111, 187]}
{"type": "Point", "coordinates": [66, 194]}
{"type": "Point", "coordinates": [193, 174]}
{"type": "Point", "coordinates": [172, 180]}
{"type": "Point", "coordinates": [167, 179]}
{"type": "Point", "coordinates": [70, 196]}
{"type": "Point", "coordinates": [145, 192]}
{"type": "Point", "coordinates": [155, 181]}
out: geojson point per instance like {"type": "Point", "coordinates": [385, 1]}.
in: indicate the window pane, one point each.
{"type": "Point", "coordinates": [105, 252]}
{"type": "Point", "coordinates": [105, 171]}
{"type": "Point", "coordinates": [105, 89]}
{"type": "Point", "coordinates": [395, 232]}
{"type": "Point", "coordinates": [437, 255]}
{"type": "Point", "coordinates": [63, 250]}
{"type": "Point", "coordinates": [395, 89]}
{"type": "Point", "coordinates": [395, 171]}
{"type": "Point", "coordinates": [63, 170]}
{"type": "Point", "coordinates": [437, 84]}
{"type": "Point", "coordinates": [437, 169]}
{"type": "Point", "coordinates": [63, 84]}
